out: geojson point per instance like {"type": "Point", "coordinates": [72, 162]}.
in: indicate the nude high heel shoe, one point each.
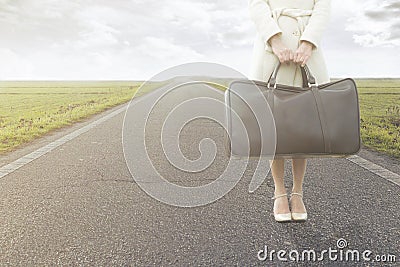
{"type": "Point", "coordinates": [282, 217]}
{"type": "Point", "coordinates": [298, 216]}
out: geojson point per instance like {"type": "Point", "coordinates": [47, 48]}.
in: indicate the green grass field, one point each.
{"type": "Point", "coordinates": [380, 114]}
{"type": "Point", "coordinates": [29, 110]}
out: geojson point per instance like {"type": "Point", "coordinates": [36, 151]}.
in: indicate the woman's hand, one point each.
{"type": "Point", "coordinates": [303, 53]}
{"type": "Point", "coordinates": [283, 53]}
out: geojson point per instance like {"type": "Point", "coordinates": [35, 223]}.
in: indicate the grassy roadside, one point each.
{"type": "Point", "coordinates": [380, 114]}
{"type": "Point", "coordinates": [29, 110]}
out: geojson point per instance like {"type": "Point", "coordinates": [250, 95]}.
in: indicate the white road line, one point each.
{"type": "Point", "coordinates": [377, 169]}
{"type": "Point", "coordinates": [15, 165]}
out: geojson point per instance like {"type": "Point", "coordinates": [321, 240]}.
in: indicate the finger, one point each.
{"type": "Point", "coordinates": [298, 56]}
{"type": "Point", "coordinates": [287, 55]}
{"type": "Point", "coordinates": [305, 61]}
{"type": "Point", "coordinates": [295, 56]}
{"type": "Point", "coordinates": [301, 58]}
{"type": "Point", "coordinates": [282, 56]}
{"type": "Point", "coordinates": [296, 60]}
{"type": "Point", "coordinates": [291, 55]}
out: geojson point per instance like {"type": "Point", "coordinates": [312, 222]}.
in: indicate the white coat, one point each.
{"type": "Point", "coordinates": [296, 20]}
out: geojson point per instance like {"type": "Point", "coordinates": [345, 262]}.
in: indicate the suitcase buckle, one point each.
{"type": "Point", "coordinates": [312, 84]}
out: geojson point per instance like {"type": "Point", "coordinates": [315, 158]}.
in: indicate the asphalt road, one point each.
{"type": "Point", "coordinates": [78, 205]}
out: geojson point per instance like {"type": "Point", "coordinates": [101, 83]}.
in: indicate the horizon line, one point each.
{"type": "Point", "coordinates": [138, 80]}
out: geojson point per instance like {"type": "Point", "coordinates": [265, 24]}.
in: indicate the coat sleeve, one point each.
{"type": "Point", "coordinates": [317, 23]}
{"type": "Point", "coordinates": [260, 14]}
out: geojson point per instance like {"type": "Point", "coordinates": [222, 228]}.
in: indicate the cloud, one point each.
{"type": "Point", "coordinates": [163, 49]}
{"type": "Point", "coordinates": [377, 24]}
{"type": "Point", "coordinates": [134, 39]}
{"type": "Point", "coordinates": [16, 67]}
{"type": "Point", "coordinates": [82, 33]}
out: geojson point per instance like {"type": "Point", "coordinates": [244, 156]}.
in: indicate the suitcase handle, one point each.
{"type": "Point", "coordinates": [305, 72]}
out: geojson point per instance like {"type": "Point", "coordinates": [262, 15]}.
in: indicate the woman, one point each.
{"type": "Point", "coordinates": [289, 31]}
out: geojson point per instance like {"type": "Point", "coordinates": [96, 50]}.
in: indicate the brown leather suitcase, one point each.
{"type": "Point", "coordinates": [283, 121]}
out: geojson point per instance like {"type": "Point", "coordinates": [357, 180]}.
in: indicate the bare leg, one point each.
{"type": "Point", "coordinates": [281, 205]}
{"type": "Point", "coordinates": [298, 169]}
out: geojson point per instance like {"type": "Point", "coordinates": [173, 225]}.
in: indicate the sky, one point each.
{"type": "Point", "coordinates": [136, 39]}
